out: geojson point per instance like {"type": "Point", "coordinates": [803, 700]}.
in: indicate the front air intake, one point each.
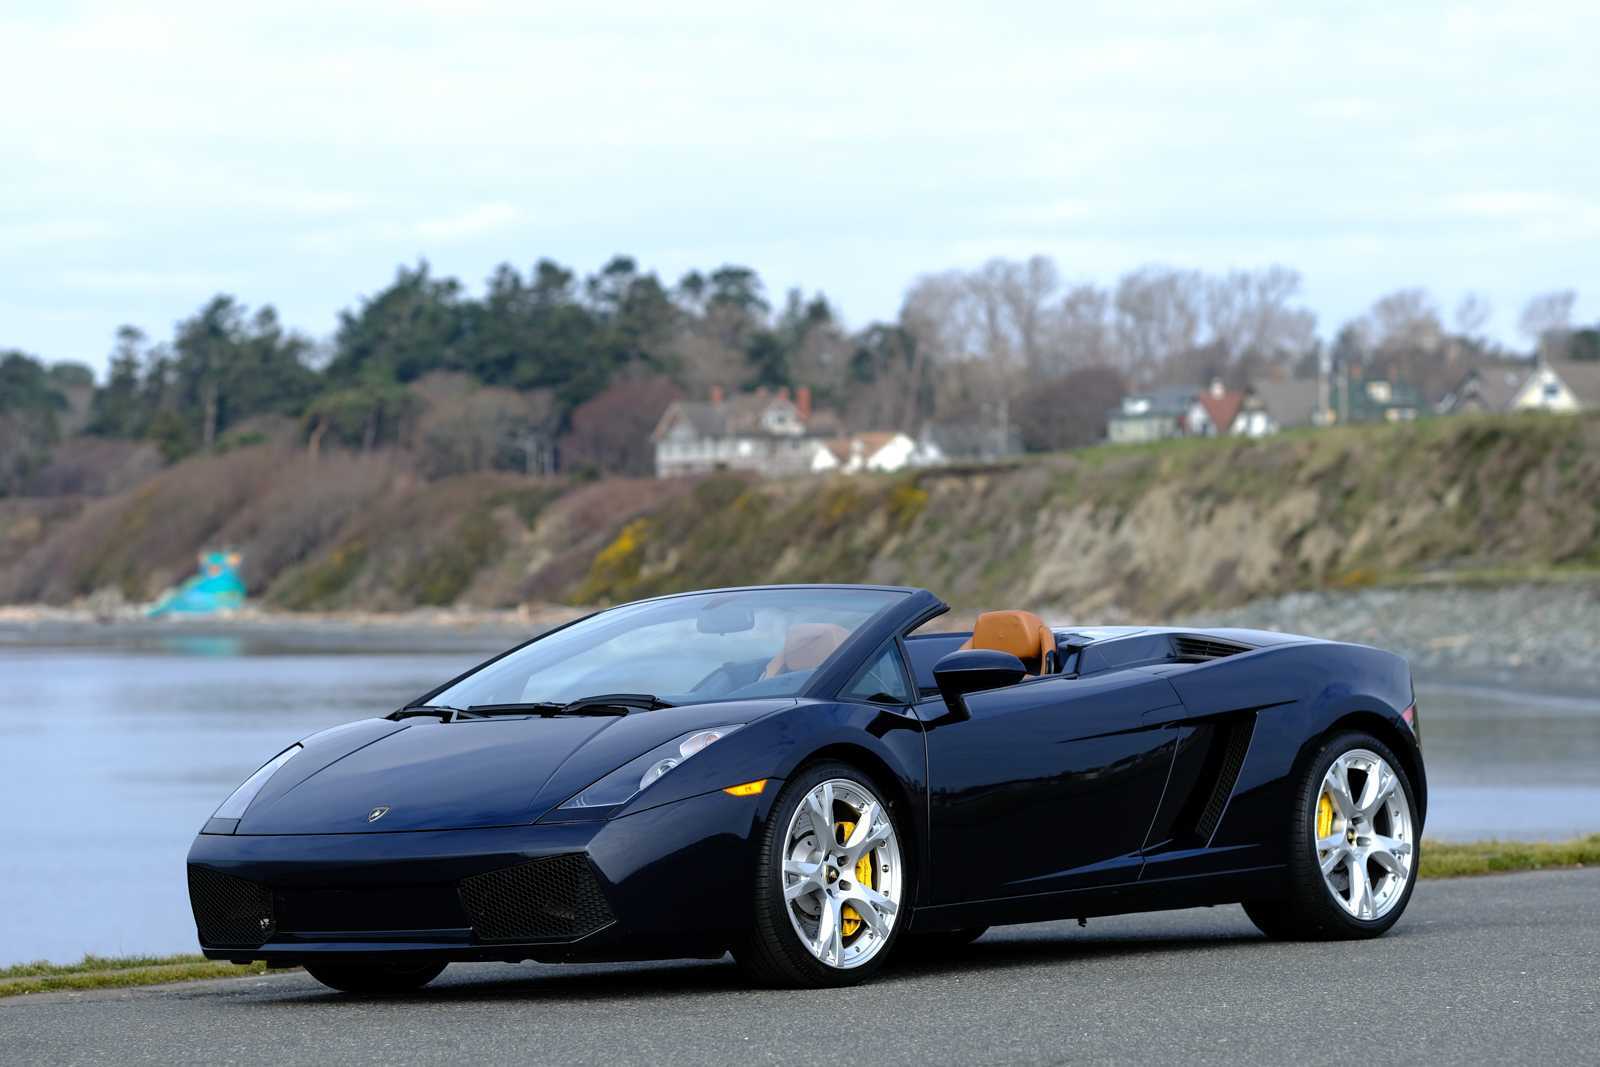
{"type": "Point", "coordinates": [552, 899]}
{"type": "Point", "coordinates": [230, 912]}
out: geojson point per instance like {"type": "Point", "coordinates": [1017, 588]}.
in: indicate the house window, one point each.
{"type": "Point", "coordinates": [1552, 390]}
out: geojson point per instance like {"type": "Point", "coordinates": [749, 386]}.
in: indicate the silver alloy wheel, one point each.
{"type": "Point", "coordinates": [1363, 833]}
{"type": "Point", "coordinates": [841, 917]}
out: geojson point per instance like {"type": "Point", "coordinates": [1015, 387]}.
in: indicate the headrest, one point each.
{"type": "Point", "coordinates": [805, 646]}
{"type": "Point", "coordinates": [1021, 633]}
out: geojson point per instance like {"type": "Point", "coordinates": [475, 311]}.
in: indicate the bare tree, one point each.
{"type": "Point", "coordinates": [1018, 316]}
{"type": "Point", "coordinates": [1405, 318]}
{"type": "Point", "coordinates": [1473, 312]}
{"type": "Point", "coordinates": [1249, 312]}
{"type": "Point", "coordinates": [1547, 321]}
{"type": "Point", "coordinates": [1083, 325]}
{"type": "Point", "coordinates": [1158, 313]}
{"type": "Point", "coordinates": [704, 360]}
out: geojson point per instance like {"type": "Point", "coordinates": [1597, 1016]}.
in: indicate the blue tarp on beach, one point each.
{"type": "Point", "coordinates": [217, 587]}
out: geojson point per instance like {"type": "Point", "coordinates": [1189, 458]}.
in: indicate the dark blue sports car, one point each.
{"type": "Point", "coordinates": [808, 778]}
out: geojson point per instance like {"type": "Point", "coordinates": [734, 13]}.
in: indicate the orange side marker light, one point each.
{"type": "Point", "coordinates": [748, 789]}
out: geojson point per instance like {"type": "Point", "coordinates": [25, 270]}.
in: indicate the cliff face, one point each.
{"type": "Point", "coordinates": [1113, 532]}
{"type": "Point", "coordinates": [1108, 532]}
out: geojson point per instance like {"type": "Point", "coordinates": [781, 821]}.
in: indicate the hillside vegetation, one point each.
{"type": "Point", "coordinates": [1110, 532]}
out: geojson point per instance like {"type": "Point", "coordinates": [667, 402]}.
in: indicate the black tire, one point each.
{"type": "Point", "coordinates": [772, 954]}
{"type": "Point", "coordinates": [375, 977]}
{"type": "Point", "coordinates": [935, 943]}
{"type": "Point", "coordinates": [1307, 910]}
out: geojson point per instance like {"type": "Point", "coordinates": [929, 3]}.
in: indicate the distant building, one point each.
{"type": "Point", "coordinates": [1557, 386]}
{"type": "Point", "coordinates": [1152, 416]}
{"type": "Point", "coordinates": [966, 442]}
{"type": "Point", "coordinates": [1213, 411]}
{"type": "Point", "coordinates": [1486, 388]}
{"type": "Point", "coordinates": [766, 432]}
{"type": "Point", "coordinates": [1356, 399]}
{"type": "Point", "coordinates": [879, 451]}
{"type": "Point", "coordinates": [1290, 404]}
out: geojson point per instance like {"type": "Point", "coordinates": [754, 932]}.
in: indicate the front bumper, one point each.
{"type": "Point", "coordinates": [657, 884]}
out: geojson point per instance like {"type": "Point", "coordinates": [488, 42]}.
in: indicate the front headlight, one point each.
{"type": "Point", "coordinates": [239, 799]}
{"type": "Point", "coordinates": [633, 777]}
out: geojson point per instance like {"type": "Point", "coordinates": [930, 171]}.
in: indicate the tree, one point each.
{"type": "Point", "coordinates": [1250, 313]}
{"type": "Point", "coordinates": [462, 427]}
{"type": "Point", "coordinates": [364, 415]}
{"type": "Point", "coordinates": [1547, 321]}
{"type": "Point", "coordinates": [1083, 323]}
{"type": "Point", "coordinates": [1473, 312]}
{"type": "Point", "coordinates": [1068, 411]}
{"type": "Point", "coordinates": [414, 326]}
{"type": "Point", "coordinates": [1158, 314]}
{"type": "Point", "coordinates": [230, 365]}
{"type": "Point", "coordinates": [611, 432]}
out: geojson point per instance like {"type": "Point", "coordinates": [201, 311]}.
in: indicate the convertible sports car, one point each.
{"type": "Point", "coordinates": [801, 776]}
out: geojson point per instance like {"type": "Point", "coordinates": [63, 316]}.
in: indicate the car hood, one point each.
{"type": "Point", "coordinates": [433, 775]}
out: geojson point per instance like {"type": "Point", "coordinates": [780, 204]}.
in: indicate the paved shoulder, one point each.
{"type": "Point", "coordinates": [1479, 969]}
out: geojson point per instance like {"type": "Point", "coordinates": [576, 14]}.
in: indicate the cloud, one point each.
{"type": "Point", "coordinates": [1539, 214]}
{"type": "Point", "coordinates": [307, 147]}
{"type": "Point", "coordinates": [482, 219]}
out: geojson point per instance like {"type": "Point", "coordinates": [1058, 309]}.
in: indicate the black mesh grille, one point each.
{"type": "Point", "coordinates": [230, 912]}
{"type": "Point", "coordinates": [1195, 649]}
{"type": "Point", "coordinates": [555, 898]}
{"type": "Point", "coordinates": [1238, 743]}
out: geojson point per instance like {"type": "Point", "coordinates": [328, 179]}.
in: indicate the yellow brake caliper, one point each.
{"type": "Point", "coordinates": [849, 918]}
{"type": "Point", "coordinates": [1324, 816]}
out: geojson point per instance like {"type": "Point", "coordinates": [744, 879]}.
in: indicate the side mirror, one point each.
{"type": "Point", "coordinates": [973, 670]}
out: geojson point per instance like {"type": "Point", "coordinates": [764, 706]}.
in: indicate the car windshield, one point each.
{"type": "Point", "coordinates": [688, 649]}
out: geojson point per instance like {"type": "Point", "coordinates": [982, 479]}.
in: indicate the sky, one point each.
{"type": "Point", "coordinates": [296, 153]}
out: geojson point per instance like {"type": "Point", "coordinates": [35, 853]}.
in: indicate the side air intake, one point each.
{"type": "Point", "coordinates": [1234, 745]}
{"type": "Point", "coordinates": [230, 912]}
{"type": "Point", "coordinates": [1201, 649]}
{"type": "Point", "coordinates": [552, 899]}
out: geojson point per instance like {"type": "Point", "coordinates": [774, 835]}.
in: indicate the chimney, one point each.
{"type": "Point", "coordinates": [716, 396]}
{"type": "Point", "coordinates": [802, 401]}
{"type": "Point", "coordinates": [783, 392]}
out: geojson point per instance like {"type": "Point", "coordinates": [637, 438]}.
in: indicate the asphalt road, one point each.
{"type": "Point", "coordinates": [1502, 969]}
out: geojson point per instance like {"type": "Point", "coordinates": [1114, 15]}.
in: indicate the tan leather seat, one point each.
{"type": "Point", "coordinates": [805, 646]}
{"type": "Point", "coordinates": [1021, 633]}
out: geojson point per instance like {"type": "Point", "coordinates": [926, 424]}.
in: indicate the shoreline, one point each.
{"type": "Point", "coordinates": [1532, 637]}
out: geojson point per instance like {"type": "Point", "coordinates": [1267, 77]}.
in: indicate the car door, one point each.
{"type": "Point", "coordinates": [1048, 785]}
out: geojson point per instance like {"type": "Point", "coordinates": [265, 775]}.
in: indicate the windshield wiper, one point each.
{"type": "Point", "coordinates": [603, 704]}
{"type": "Point", "coordinates": [443, 711]}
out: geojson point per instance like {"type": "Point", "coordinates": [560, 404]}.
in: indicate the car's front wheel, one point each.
{"type": "Point", "coordinates": [375, 977]}
{"type": "Point", "coordinates": [1353, 846]}
{"type": "Point", "coordinates": [831, 883]}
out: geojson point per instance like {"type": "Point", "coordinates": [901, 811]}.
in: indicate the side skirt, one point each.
{"type": "Point", "coordinates": [1164, 894]}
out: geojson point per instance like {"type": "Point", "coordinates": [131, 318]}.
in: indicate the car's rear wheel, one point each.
{"type": "Point", "coordinates": [1353, 846]}
{"type": "Point", "coordinates": [375, 977]}
{"type": "Point", "coordinates": [831, 882]}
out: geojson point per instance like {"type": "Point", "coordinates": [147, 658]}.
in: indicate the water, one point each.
{"type": "Point", "coordinates": [111, 758]}
{"type": "Point", "coordinates": [112, 754]}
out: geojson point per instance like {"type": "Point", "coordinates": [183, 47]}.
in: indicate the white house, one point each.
{"type": "Point", "coordinates": [767, 432]}
{"type": "Point", "coordinates": [879, 451]}
{"type": "Point", "coordinates": [1558, 386]}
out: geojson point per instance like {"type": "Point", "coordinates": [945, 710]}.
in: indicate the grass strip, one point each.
{"type": "Point", "coordinates": [1446, 859]}
{"type": "Point", "coordinates": [111, 972]}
